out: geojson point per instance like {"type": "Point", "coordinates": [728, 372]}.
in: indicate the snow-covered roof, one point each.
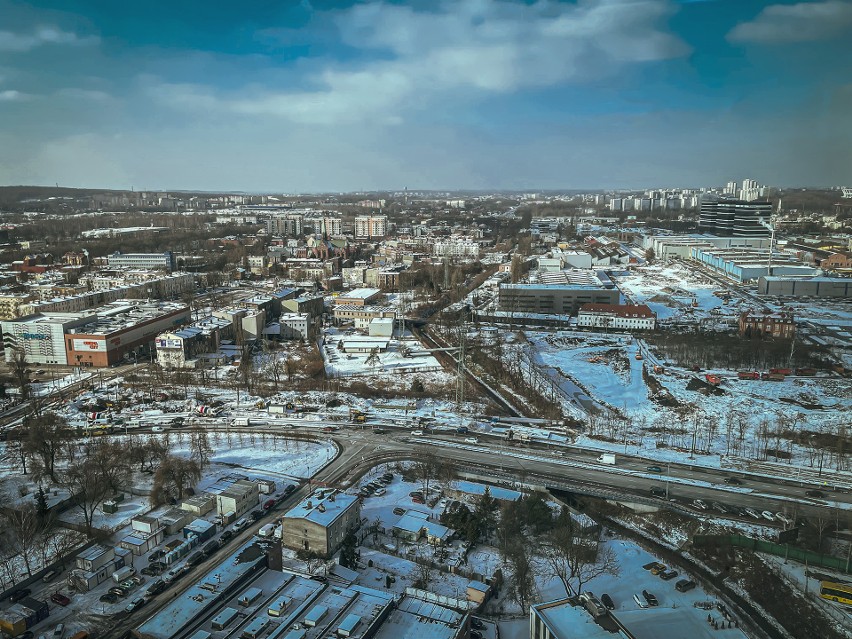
{"type": "Point", "coordinates": [322, 507]}
{"type": "Point", "coordinates": [473, 488]}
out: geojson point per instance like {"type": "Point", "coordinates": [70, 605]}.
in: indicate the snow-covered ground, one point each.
{"type": "Point", "coordinates": [403, 355]}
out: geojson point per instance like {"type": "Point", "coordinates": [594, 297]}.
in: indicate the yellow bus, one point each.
{"type": "Point", "coordinates": [832, 591]}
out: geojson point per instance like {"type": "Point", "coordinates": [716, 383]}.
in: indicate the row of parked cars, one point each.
{"type": "Point", "coordinates": [377, 486]}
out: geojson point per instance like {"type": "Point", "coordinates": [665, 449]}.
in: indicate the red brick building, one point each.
{"type": "Point", "coordinates": [778, 325]}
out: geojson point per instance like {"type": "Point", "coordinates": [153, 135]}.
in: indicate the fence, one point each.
{"type": "Point", "coordinates": [788, 552]}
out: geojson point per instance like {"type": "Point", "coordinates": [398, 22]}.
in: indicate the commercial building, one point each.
{"type": "Point", "coordinates": [831, 287]}
{"type": "Point", "coordinates": [732, 217]}
{"type": "Point", "coordinates": [369, 227]}
{"type": "Point", "coordinates": [187, 346]}
{"type": "Point", "coordinates": [320, 522]}
{"type": "Point", "coordinates": [617, 316]}
{"type": "Point", "coordinates": [680, 246]}
{"type": "Point", "coordinates": [165, 261]}
{"type": "Point", "coordinates": [295, 326]}
{"type": "Point", "coordinates": [306, 304]}
{"type": "Point", "coordinates": [777, 325]}
{"type": "Point", "coordinates": [361, 316]}
{"type": "Point", "coordinates": [358, 297]}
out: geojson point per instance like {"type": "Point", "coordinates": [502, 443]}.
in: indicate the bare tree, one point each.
{"type": "Point", "coordinates": [199, 446]}
{"type": "Point", "coordinates": [25, 527]}
{"type": "Point", "coordinates": [21, 372]}
{"type": "Point", "coordinates": [522, 582]}
{"type": "Point", "coordinates": [89, 488]}
{"type": "Point", "coordinates": [576, 559]}
{"type": "Point", "coordinates": [46, 435]}
{"type": "Point", "coordinates": [173, 477]}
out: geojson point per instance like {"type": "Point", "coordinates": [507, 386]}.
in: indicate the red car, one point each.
{"type": "Point", "coordinates": [58, 597]}
{"type": "Point", "coordinates": [269, 503]}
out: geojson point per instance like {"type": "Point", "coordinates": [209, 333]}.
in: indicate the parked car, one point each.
{"type": "Point", "coordinates": [59, 631]}
{"type": "Point", "coordinates": [417, 433]}
{"type": "Point", "coordinates": [652, 565]}
{"type": "Point", "coordinates": [118, 591]}
{"type": "Point", "coordinates": [815, 493]}
{"type": "Point", "coordinates": [156, 555]}
{"type": "Point", "coordinates": [256, 514]}
{"type": "Point", "coordinates": [767, 515]}
{"type": "Point", "coordinates": [289, 488]}
{"type": "Point", "coordinates": [19, 594]}
{"type": "Point", "coordinates": [399, 511]}
{"type": "Point", "coordinates": [108, 598]}
{"type": "Point", "coordinates": [379, 492]}
{"type": "Point", "coordinates": [684, 584]}
{"type": "Point", "coordinates": [51, 575]}
{"type": "Point", "coordinates": [751, 513]}
{"type": "Point", "coordinates": [471, 440]}
{"type": "Point", "coordinates": [388, 476]}
{"type": "Point", "coordinates": [157, 429]}
{"type": "Point", "coordinates": [269, 503]}
{"type": "Point", "coordinates": [659, 569]}
{"type": "Point", "coordinates": [639, 601]}
{"type": "Point", "coordinates": [156, 588]}
{"type": "Point", "coordinates": [195, 558]}
{"type": "Point", "coordinates": [415, 493]}
{"type": "Point", "coordinates": [226, 535]}
{"type": "Point", "coordinates": [650, 598]}
{"type": "Point", "coordinates": [135, 604]}
{"type": "Point", "coordinates": [240, 524]}
{"type": "Point", "coordinates": [733, 481]}
{"type": "Point", "coordinates": [58, 598]}
{"type": "Point", "coordinates": [654, 469]}
{"type": "Point", "coordinates": [418, 500]}
{"type": "Point", "coordinates": [607, 601]}
{"type": "Point", "coordinates": [699, 504]}
{"type": "Point", "coordinates": [669, 574]}
{"type": "Point", "coordinates": [476, 623]}
{"type": "Point", "coordinates": [720, 507]}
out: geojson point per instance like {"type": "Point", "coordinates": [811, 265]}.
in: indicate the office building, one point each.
{"type": "Point", "coordinates": [733, 217]}
{"type": "Point", "coordinates": [165, 261]}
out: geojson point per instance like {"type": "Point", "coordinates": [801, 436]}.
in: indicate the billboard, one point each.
{"type": "Point", "coordinates": [169, 343]}
{"type": "Point", "coordinates": [89, 345]}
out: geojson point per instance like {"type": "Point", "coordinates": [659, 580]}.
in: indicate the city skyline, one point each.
{"type": "Point", "coordinates": [326, 97]}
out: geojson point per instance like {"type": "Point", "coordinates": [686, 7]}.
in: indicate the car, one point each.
{"type": "Point", "coordinates": [443, 503]}
{"type": "Point", "coordinates": [639, 601]}
{"type": "Point", "coordinates": [135, 604]}
{"type": "Point", "coordinates": [751, 513]}
{"type": "Point", "coordinates": [656, 491]}
{"type": "Point", "coordinates": [19, 594]}
{"type": "Point", "coordinates": [607, 601]}
{"type": "Point", "coordinates": [379, 492]}
{"type": "Point", "coordinates": [195, 558]}
{"type": "Point", "coordinates": [226, 535]}
{"type": "Point", "coordinates": [699, 504]}
{"type": "Point", "coordinates": [59, 631]}
{"type": "Point", "coordinates": [720, 507]}
{"type": "Point", "coordinates": [659, 569]}
{"type": "Point", "coordinates": [118, 591]}
{"type": "Point", "coordinates": [733, 481]}
{"type": "Point", "coordinates": [156, 588]}
{"type": "Point", "coordinates": [784, 519]}
{"type": "Point", "coordinates": [289, 488]}
{"type": "Point", "coordinates": [417, 433]}
{"type": "Point", "coordinates": [269, 503]}
{"type": "Point", "coordinates": [654, 469]}
{"type": "Point", "coordinates": [415, 493]}
{"type": "Point", "coordinates": [58, 598]}
{"type": "Point", "coordinates": [156, 555]}
{"type": "Point", "coordinates": [652, 565]}
{"type": "Point", "coordinates": [51, 575]}
{"type": "Point", "coordinates": [685, 584]}
{"type": "Point", "coordinates": [108, 598]}
{"type": "Point", "coordinates": [767, 515]}
{"type": "Point", "coordinates": [650, 598]}
{"type": "Point", "coordinates": [177, 421]}
{"type": "Point", "coordinates": [476, 623]}
{"type": "Point", "coordinates": [669, 574]}
{"type": "Point", "coordinates": [26, 634]}
{"type": "Point", "coordinates": [150, 571]}
{"type": "Point", "coordinates": [157, 429]}
{"type": "Point", "coordinates": [471, 440]}
{"type": "Point", "coordinates": [418, 500]}
{"type": "Point", "coordinates": [256, 514]}
{"type": "Point", "coordinates": [815, 493]}
{"type": "Point", "coordinates": [388, 476]}
{"type": "Point", "coordinates": [240, 524]}
{"type": "Point", "coordinates": [399, 511]}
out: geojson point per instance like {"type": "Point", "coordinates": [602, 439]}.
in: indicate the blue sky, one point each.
{"type": "Point", "coordinates": [317, 95]}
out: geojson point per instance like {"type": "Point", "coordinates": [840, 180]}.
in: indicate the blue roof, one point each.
{"type": "Point", "coordinates": [473, 488]}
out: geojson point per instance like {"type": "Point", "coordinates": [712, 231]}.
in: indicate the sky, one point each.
{"type": "Point", "coordinates": [324, 96]}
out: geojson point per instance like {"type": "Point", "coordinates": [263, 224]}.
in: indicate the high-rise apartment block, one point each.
{"type": "Point", "coordinates": [285, 225]}
{"type": "Point", "coordinates": [368, 227]}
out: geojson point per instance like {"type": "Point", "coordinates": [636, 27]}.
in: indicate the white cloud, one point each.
{"type": "Point", "coordinates": [21, 42]}
{"type": "Point", "coordinates": [463, 48]}
{"type": "Point", "coordinates": [11, 95]}
{"type": "Point", "coordinates": [803, 22]}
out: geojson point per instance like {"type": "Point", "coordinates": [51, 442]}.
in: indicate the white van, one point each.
{"type": "Point", "coordinates": [241, 523]}
{"type": "Point", "coordinates": [267, 530]}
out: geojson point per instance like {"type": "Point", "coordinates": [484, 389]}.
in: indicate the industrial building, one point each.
{"type": "Point", "coordinates": [234, 496]}
{"type": "Point", "coordinates": [320, 522]}
{"type": "Point", "coordinates": [666, 247]}
{"type": "Point", "coordinates": [829, 287]}
{"type": "Point", "coordinates": [736, 218]}
{"type": "Point", "coordinates": [748, 264]}
{"type": "Point", "coordinates": [617, 316]}
{"type": "Point", "coordinates": [561, 292]}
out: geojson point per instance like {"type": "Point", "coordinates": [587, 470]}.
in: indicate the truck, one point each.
{"type": "Point", "coordinates": [748, 375]}
{"type": "Point", "coordinates": [713, 379]}
{"type": "Point", "coordinates": [772, 377]}
{"type": "Point", "coordinates": [241, 421]}
{"type": "Point", "coordinates": [781, 371]}
{"type": "Point", "coordinates": [607, 458]}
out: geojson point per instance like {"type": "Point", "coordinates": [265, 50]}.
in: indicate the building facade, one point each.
{"type": "Point", "coordinates": [555, 299]}
{"type": "Point", "coordinates": [736, 218]}
{"type": "Point", "coordinates": [777, 325]}
{"type": "Point", "coordinates": [165, 261]}
{"type": "Point", "coordinates": [617, 316]}
{"type": "Point", "coordinates": [369, 227]}
{"type": "Point", "coordinates": [320, 523]}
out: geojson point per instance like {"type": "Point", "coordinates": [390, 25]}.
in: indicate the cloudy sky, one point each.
{"type": "Point", "coordinates": [318, 95]}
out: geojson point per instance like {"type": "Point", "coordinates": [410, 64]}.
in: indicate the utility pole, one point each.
{"type": "Point", "coordinates": [460, 370]}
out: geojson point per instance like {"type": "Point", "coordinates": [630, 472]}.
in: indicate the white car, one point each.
{"type": "Point", "coordinates": [699, 504]}
{"type": "Point", "coordinates": [417, 433]}
{"type": "Point", "coordinates": [471, 440]}
{"type": "Point", "coordinates": [157, 429]}
{"type": "Point", "coordinates": [379, 492]}
{"type": "Point", "coordinates": [782, 517]}
{"type": "Point", "coordinates": [640, 601]}
{"type": "Point", "coordinates": [59, 631]}
{"type": "Point", "coordinates": [768, 516]}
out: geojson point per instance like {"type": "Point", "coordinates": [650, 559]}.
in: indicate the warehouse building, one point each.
{"type": "Point", "coordinates": [617, 316]}
{"type": "Point", "coordinates": [560, 293]}
{"type": "Point", "coordinates": [748, 264]}
{"type": "Point", "coordinates": [832, 287]}
{"type": "Point", "coordinates": [320, 522]}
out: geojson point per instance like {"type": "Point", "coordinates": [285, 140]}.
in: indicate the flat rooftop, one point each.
{"type": "Point", "coordinates": [322, 507]}
{"type": "Point", "coordinates": [360, 293]}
